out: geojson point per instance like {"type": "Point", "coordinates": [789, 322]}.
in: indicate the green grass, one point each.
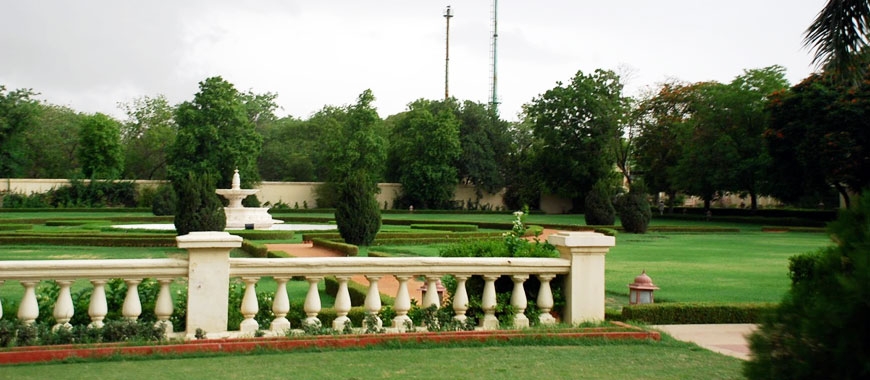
{"type": "Point", "coordinates": [667, 359]}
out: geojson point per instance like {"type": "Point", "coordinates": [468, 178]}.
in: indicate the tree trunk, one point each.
{"type": "Point", "coordinates": [844, 193]}
{"type": "Point", "coordinates": [753, 202]}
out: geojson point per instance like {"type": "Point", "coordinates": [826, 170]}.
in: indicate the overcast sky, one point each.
{"type": "Point", "coordinates": [92, 54]}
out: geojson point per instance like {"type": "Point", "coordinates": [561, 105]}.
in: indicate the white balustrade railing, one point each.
{"type": "Point", "coordinates": [209, 269]}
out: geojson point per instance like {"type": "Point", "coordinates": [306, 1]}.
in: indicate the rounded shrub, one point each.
{"type": "Point", "coordinates": [634, 212]}
{"type": "Point", "coordinates": [163, 202]}
{"type": "Point", "coordinates": [599, 210]}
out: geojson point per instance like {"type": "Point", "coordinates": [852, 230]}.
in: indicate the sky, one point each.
{"type": "Point", "coordinates": [91, 55]}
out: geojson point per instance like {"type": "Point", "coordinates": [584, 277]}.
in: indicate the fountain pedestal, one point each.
{"type": "Point", "coordinates": [239, 216]}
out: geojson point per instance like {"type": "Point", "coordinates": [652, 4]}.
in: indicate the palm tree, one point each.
{"type": "Point", "coordinates": [839, 35]}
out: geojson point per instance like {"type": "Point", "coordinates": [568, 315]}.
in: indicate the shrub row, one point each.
{"type": "Point", "coordinates": [91, 241]}
{"type": "Point", "coordinates": [76, 209]}
{"type": "Point", "coordinates": [15, 227]}
{"type": "Point", "coordinates": [446, 227]}
{"type": "Point", "coordinates": [696, 312]}
{"type": "Point", "coordinates": [74, 222]}
{"type": "Point", "coordinates": [357, 292]}
{"type": "Point", "coordinates": [263, 234]}
{"type": "Point", "coordinates": [346, 249]}
{"type": "Point", "coordinates": [793, 229]}
{"type": "Point", "coordinates": [402, 235]}
{"type": "Point", "coordinates": [259, 250]}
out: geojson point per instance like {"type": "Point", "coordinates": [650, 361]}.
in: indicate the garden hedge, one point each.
{"type": "Point", "coordinates": [696, 313]}
{"type": "Point", "coordinates": [346, 249]}
{"type": "Point", "coordinates": [446, 227]}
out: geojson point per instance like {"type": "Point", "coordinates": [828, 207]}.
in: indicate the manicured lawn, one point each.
{"type": "Point", "coordinates": [667, 359]}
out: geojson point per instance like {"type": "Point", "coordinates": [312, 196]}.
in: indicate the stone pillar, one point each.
{"type": "Point", "coordinates": [584, 284]}
{"type": "Point", "coordinates": [208, 279]}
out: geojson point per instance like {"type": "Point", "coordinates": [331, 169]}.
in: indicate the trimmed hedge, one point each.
{"type": "Point", "coordinates": [696, 313]}
{"type": "Point", "coordinates": [385, 236]}
{"type": "Point", "coordinates": [346, 249]}
{"type": "Point", "coordinates": [263, 234]}
{"type": "Point", "coordinates": [15, 227]}
{"type": "Point", "coordinates": [793, 229]}
{"type": "Point", "coordinates": [90, 241]}
{"type": "Point", "coordinates": [357, 292]}
{"type": "Point", "coordinates": [75, 222]}
{"type": "Point", "coordinates": [446, 227]}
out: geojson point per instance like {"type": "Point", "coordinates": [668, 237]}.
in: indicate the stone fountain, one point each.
{"type": "Point", "coordinates": [239, 216]}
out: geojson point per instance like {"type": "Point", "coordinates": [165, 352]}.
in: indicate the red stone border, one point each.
{"type": "Point", "coordinates": [51, 353]}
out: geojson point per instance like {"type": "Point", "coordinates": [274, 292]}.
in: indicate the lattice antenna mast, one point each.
{"type": "Point", "coordinates": [493, 53]}
{"type": "Point", "coordinates": [448, 14]}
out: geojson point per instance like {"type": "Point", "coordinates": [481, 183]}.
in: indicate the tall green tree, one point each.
{"type": "Point", "coordinates": [357, 157]}
{"type": "Point", "coordinates": [663, 127]}
{"type": "Point", "coordinates": [818, 137]}
{"type": "Point", "coordinates": [425, 147]}
{"type": "Point", "coordinates": [485, 145]}
{"type": "Point", "coordinates": [100, 151]}
{"type": "Point", "coordinates": [216, 136]}
{"type": "Point", "coordinates": [839, 36]}
{"type": "Point", "coordinates": [577, 124]}
{"type": "Point", "coordinates": [52, 143]}
{"type": "Point", "coordinates": [148, 134]}
{"type": "Point", "coordinates": [18, 111]}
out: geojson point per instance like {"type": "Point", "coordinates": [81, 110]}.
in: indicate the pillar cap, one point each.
{"type": "Point", "coordinates": [581, 239]}
{"type": "Point", "coordinates": [208, 239]}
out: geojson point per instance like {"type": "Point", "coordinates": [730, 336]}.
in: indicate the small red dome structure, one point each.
{"type": "Point", "coordinates": [641, 291]}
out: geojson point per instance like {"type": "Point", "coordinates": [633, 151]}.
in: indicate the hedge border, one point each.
{"type": "Point", "coordinates": [446, 227]}
{"type": "Point", "coordinates": [346, 249]}
{"type": "Point", "coordinates": [696, 313]}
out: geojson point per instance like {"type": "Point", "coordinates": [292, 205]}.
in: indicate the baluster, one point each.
{"type": "Point", "coordinates": [431, 296]}
{"type": "Point", "coordinates": [460, 299]}
{"type": "Point", "coordinates": [489, 321]}
{"type": "Point", "coordinates": [132, 306]}
{"type": "Point", "coordinates": [98, 308]}
{"type": "Point", "coordinates": [164, 306]}
{"type": "Point", "coordinates": [1, 303]}
{"type": "Point", "coordinates": [545, 299]}
{"type": "Point", "coordinates": [518, 301]}
{"type": "Point", "coordinates": [281, 306]}
{"type": "Point", "coordinates": [312, 302]}
{"type": "Point", "coordinates": [373, 301]}
{"type": "Point", "coordinates": [28, 311]}
{"type": "Point", "coordinates": [342, 304]}
{"type": "Point", "coordinates": [63, 306]}
{"type": "Point", "coordinates": [249, 307]}
{"type": "Point", "coordinates": [402, 305]}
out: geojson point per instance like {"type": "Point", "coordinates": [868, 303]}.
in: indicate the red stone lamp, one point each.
{"type": "Point", "coordinates": [641, 291]}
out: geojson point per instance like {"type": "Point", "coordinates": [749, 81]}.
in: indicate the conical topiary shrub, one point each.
{"type": "Point", "coordinates": [197, 207]}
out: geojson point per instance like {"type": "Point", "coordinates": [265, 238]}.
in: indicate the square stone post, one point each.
{"type": "Point", "coordinates": [208, 279]}
{"type": "Point", "coordinates": [584, 285]}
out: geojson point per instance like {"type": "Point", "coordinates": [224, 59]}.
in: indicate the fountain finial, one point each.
{"type": "Point", "coordinates": [237, 181]}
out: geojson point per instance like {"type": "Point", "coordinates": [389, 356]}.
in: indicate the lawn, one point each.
{"type": "Point", "coordinates": [667, 359]}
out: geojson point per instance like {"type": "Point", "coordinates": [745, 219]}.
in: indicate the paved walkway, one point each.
{"type": "Point", "coordinates": [726, 339]}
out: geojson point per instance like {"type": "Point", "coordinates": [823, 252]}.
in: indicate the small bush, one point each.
{"type": "Point", "coordinates": [163, 202]}
{"type": "Point", "coordinates": [634, 212]}
{"type": "Point", "coordinates": [357, 213]}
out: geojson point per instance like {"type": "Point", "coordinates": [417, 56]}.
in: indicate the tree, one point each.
{"type": "Point", "coordinates": [819, 330]}
{"type": "Point", "coordinates": [215, 136]}
{"type": "Point", "coordinates": [522, 175]}
{"type": "Point", "coordinates": [663, 127]}
{"type": "Point", "coordinates": [577, 124]}
{"type": "Point", "coordinates": [356, 157]}
{"type": "Point", "coordinates": [18, 112]}
{"type": "Point", "coordinates": [100, 151]}
{"type": "Point", "coordinates": [839, 37]}
{"type": "Point", "coordinates": [484, 141]}
{"type": "Point", "coordinates": [425, 147]}
{"type": "Point", "coordinates": [198, 207]}
{"type": "Point", "coordinates": [52, 143]}
{"type": "Point", "coordinates": [148, 134]}
{"type": "Point", "coordinates": [599, 205]}
{"type": "Point", "coordinates": [818, 137]}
